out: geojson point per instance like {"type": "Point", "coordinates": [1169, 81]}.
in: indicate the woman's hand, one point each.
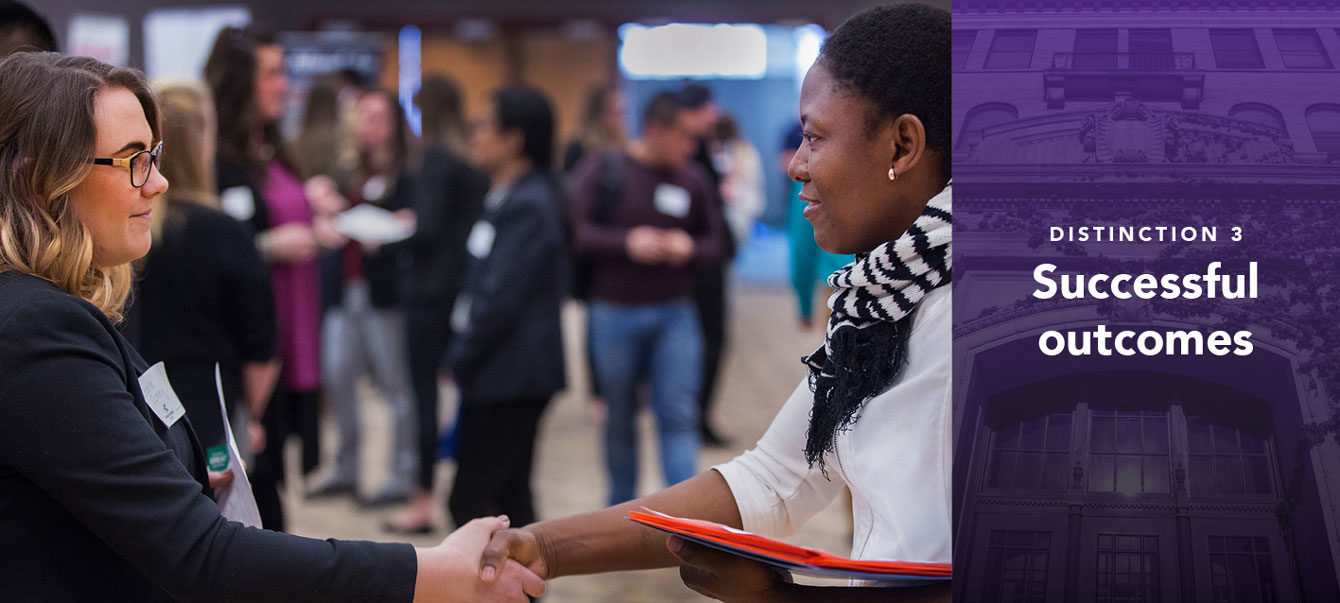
{"type": "Point", "coordinates": [220, 479]}
{"type": "Point", "coordinates": [327, 236]}
{"type": "Point", "coordinates": [726, 577]}
{"type": "Point", "coordinates": [290, 243]}
{"type": "Point", "coordinates": [733, 579]}
{"type": "Point", "coordinates": [450, 571]}
{"type": "Point", "coordinates": [518, 546]}
{"type": "Point", "coordinates": [324, 196]}
{"type": "Point", "coordinates": [407, 218]}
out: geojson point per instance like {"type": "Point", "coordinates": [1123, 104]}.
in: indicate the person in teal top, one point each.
{"type": "Point", "coordinates": [810, 265]}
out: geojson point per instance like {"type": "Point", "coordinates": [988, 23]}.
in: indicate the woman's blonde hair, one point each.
{"type": "Point", "coordinates": [187, 115]}
{"type": "Point", "coordinates": [593, 131]}
{"type": "Point", "coordinates": [47, 135]}
{"type": "Point", "coordinates": [322, 146]}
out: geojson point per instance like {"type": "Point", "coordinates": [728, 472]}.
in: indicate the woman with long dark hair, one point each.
{"type": "Point", "coordinates": [259, 185]}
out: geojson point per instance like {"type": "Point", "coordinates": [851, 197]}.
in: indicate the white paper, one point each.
{"type": "Point", "coordinates": [236, 502]}
{"type": "Point", "coordinates": [367, 223]}
{"type": "Point", "coordinates": [159, 395]}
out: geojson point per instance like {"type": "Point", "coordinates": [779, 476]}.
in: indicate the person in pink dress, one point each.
{"type": "Point", "coordinates": [259, 185]}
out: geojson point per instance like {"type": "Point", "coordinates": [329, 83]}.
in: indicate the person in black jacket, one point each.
{"type": "Point", "coordinates": [448, 197]}
{"type": "Point", "coordinates": [709, 278]}
{"type": "Point", "coordinates": [104, 496]}
{"type": "Point", "coordinates": [204, 287]}
{"type": "Point", "coordinates": [508, 353]}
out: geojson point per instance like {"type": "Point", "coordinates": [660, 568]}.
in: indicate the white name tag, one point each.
{"type": "Point", "coordinates": [238, 202]}
{"type": "Point", "coordinates": [460, 313]}
{"type": "Point", "coordinates": [672, 200]}
{"type": "Point", "coordinates": [374, 189]}
{"type": "Point", "coordinates": [159, 395]}
{"type": "Point", "coordinates": [481, 239]}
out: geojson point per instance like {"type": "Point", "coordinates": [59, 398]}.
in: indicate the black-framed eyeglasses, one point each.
{"type": "Point", "coordinates": [140, 164]}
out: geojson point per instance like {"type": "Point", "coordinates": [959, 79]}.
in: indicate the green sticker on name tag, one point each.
{"type": "Point", "coordinates": [217, 457]}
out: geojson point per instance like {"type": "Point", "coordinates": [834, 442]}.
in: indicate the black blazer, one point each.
{"type": "Point", "coordinates": [206, 292]}
{"type": "Point", "coordinates": [512, 346]}
{"type": "Point", "coordinates": [100, 501]}
{"type": "Point", "coordinates": [448, 197]}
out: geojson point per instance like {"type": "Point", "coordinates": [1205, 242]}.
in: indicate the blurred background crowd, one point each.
{"type": "Point", "coordinates": [445, 254]}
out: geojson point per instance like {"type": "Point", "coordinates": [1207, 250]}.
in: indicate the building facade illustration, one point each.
{"type": "Point", "coordinates": [1145, 478]}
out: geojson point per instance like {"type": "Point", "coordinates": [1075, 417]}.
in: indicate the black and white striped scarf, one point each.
{"type": "Point", "coordinates": [866, 343]}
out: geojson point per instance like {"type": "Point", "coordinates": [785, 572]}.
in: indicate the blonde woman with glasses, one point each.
{"type": "Point", "coordinates": [104, 496]}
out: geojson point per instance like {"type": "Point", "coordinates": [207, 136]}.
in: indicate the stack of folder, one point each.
{"type": "Point", "coordinates": [795, 559]}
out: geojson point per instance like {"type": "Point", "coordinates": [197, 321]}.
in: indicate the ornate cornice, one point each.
{"type": "Point", "coordinates": [1137, 136]}
{"type": "Point", "coordinates": [1114, 6]}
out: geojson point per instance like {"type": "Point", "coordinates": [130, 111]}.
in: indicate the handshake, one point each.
{"type": "Point", "coordinates": [453, 570]}
{"type": "Point", "coordinates": [652, 246]}
{"type": "Point", "coordinates": [486, 561]}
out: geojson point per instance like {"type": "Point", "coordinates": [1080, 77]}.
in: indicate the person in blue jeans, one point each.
{"type": "Point", "coordinates": [643, 244]}
{"type": "Point", "coordinates": [662, 344]}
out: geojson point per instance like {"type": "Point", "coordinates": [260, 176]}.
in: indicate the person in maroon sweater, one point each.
{"type": "Point", "coordinates": [642, 246]}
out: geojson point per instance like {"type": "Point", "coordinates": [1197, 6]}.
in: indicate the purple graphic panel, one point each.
{"type": "Point", "coordinates": [1147, 341]}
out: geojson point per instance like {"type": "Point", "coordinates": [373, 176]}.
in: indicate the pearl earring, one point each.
{"type": "Point", "coordinates": [892, 174]}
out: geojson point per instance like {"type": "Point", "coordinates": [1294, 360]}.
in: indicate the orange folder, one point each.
{"type": "Point", "coordinates": [787, 556]}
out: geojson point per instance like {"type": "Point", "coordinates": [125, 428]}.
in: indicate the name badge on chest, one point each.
{"type": "Point", "coordinates": [159, 396]}
{"type": "Point", "coordinates": [238, 202]}
{"type": "Point", "coordinates": [672, 200]}
{"type": "Point", "coordinates": [480, 242]}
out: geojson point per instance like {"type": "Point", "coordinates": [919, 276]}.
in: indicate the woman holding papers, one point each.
{"type": "Point", "coordinates": [103, 489]}
{"type": "Point", "coordinates": [364, 328]}
{"type": "Point", "coordinates": [875, 412]}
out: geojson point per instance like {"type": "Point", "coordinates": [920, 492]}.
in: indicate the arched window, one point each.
{"type": "Point", "coordinates": [1134, 440]}
{"type": "Point", "coordinates": [982, 117]}
{"type": "Point", "coordinates": [1128, 452]}
{"type": "Point", "coordinates": [1226, 460]}
{"type": "Point", "coordinates": [1032, 454]}
{"type": "Point", "coordinates": [1258, 113]}
{"type": "Point", "coordinates": [1324, 121]}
